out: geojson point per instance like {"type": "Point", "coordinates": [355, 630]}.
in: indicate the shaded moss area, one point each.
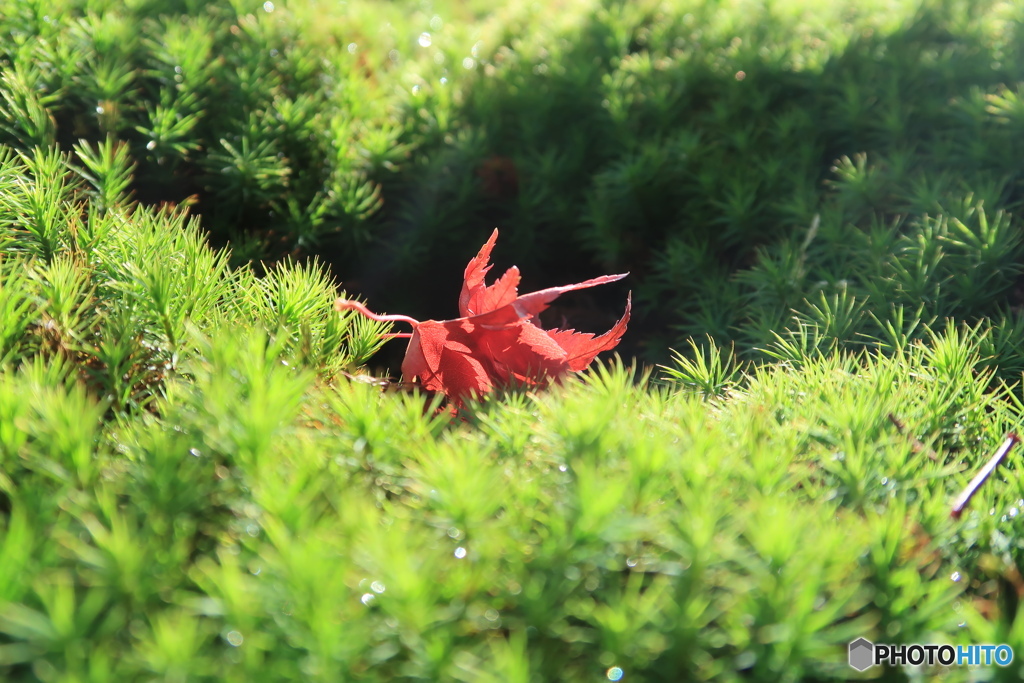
{"type": "Point", "coordinates": [693, 145]}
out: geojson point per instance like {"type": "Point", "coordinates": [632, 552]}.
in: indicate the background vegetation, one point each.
{"type": "Point", "coordinates": [817, 206]}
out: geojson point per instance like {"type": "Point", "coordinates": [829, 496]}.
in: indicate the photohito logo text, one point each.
{"type": "Point", "coordinates": [865, 654]}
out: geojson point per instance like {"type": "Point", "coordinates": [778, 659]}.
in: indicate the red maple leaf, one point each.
{"type": "Point", "coordinates": [496, 342]}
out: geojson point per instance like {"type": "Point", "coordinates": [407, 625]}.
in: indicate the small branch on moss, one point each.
{"type": "Point", "coordinates": [965, 496]}
{"type": "Point", "coordinates": [915, 444]}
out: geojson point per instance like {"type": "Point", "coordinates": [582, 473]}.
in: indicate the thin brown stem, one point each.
{"type": "Point", "coordinates": [915, 444]}
{"type": "Point", "coordinates": [965, 496]}
{"type": "Point", "coordinates": [349, 305]}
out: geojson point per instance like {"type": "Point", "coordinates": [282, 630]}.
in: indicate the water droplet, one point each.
{"type": "Point", "coordinates": [562, 468]}
{"type": "Point", "coordinates": [630, 561]}
{"type": "Point", "coordinates": [194, 452]}
{"type": "Point", "coordinates": [468, 63]}
{"type": "Point", "coordinates": [393, 55]}
{"type": "Point", "coordinates": [415, 89]}
{"type": "Point", "coordinates": [99, 109]}
{"type": "Point", "coordinates": [460, 552]}
{"type": "Point", "coordinates": [377, 587]}
{"type": "Point", "coordinates": [436, 23]}
{"type": "Point", "coordinates": [885, 480]}
{"type": "Point", "coordinates": [268, 6]}
{"type": "Point", "coordinates": [234, 638]}
{"type": "Point", "coordinates": [491, 615]}
{"type": "Point", "coordinates": [956, 576]}
{"type": "Point", "coordinates": [453, 532]}
{"type": "Point", "coordinates": [367, 598]}
{"type": "Point", "coordinates": [1013, 512]}
{"type": "Point", "coordinates": [444, 81]}
{"type": "Point", "coordinates": [614, 674]}
{"type": "Point", "coordinates": [352, 47]}
{"type": "Point", "coordinates": [962, 624]}
{"type": "Point", "coordinates": [424, 40]}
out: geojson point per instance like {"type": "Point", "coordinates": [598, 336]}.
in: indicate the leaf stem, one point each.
{"type": "Point", "coordinates": [349, 305]}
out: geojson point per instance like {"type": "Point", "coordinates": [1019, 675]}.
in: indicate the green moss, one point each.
{"type": "Point", "coordinates": [192, 487]}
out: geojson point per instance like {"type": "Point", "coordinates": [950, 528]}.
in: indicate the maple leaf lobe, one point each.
{"type": "Point", "coordinates": [476, 297]}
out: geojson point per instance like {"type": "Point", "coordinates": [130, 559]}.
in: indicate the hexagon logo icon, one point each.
{"type": "Point", "coordinates": [862, 653]}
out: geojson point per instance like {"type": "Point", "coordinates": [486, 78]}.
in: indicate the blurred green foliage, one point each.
{"type": "Point", "coordinates": [694, 144]}
{"type": "Point", "coordinates": [817, 204]}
